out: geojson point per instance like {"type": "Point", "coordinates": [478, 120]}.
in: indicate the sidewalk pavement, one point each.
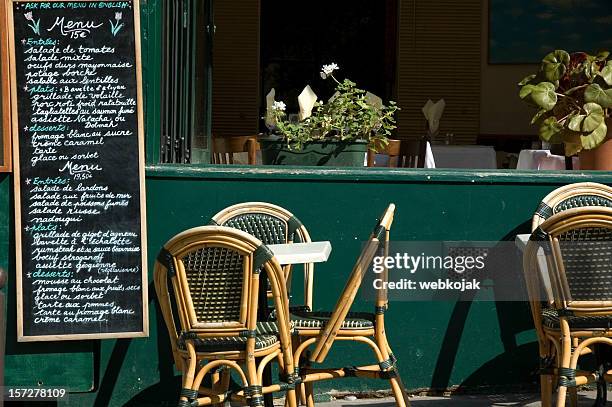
{"type": "Point", "coordinates": [585, 398]}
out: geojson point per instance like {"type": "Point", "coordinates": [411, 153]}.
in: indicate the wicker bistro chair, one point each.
{"type": "Point", "coordinates": [401, 153]}
{"type": "Point", "coordinates": [211, 315]}
{"type": "Point", "coordinates": [561, 199]}
{"type": "Point", "coordinates": [578, 248]}
{"type": "Point", "coordinates": [224, 149]}
{"type": "Point", "coordinates": [271, 224]}
{"type": "Point", "coordinates": [322, 329]}
{"type": "Point", "coordinates": [572, 196]}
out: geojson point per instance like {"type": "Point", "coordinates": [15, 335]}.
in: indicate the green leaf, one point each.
{"type": "Point", "coordinates": [594, 118]}
{"type": "Point", "coordinates": [606, 73]}
{"type": "Point", "coordinates": [575, 122]}
{"type": "Point", "coordinates": [572, 148]}
{"type": "Point", "coordinates": [595, 138]}
{"type": "Point", "coordinates": [538, 115]}
{"type": "Point", "coordinates": [526, 91]}
{"type": "Point", "coordinates": [554, 65]}
{"type": "Point", "coordinates": [550, 128]}
{"type": "Point", "coordinates": [544, 95]}
{"type": "Point", "coordinates": [602, 55]}
{"type": "Point", "coordinates": [527, 79]}
{"type": "Point", "coordinates": [596, 94]}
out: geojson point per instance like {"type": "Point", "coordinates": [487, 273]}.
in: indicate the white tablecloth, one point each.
{"type": "Point", "coordinates": [543, 160]}
{"type": "Point", "coordinates": [451, 156]}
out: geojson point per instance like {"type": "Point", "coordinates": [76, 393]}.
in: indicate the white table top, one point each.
{"type": "Point", "coordinates": [521, 241]}
{"type": "Point", "coordinates": [464, 156]}
{"type": "Point", "coordinates": [543, 160]}
{"type": "Point", "coordinates": [299, 253]}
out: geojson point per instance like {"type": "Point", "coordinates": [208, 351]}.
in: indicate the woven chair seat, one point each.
{"type": "Point", "coordinates": [303, 318]}
{"type": "Point", "coordinates": [266, 336]}
{"type": "Point", "coordinates": [550, 318]}
{"type": "Point", "coordinates": [317, 319]}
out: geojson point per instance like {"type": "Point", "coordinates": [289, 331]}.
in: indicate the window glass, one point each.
{"type": "Point", "coordinates": [186, 59]}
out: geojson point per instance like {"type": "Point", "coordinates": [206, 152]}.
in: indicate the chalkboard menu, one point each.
{"type": "Point", "coordinates": [78, 156]}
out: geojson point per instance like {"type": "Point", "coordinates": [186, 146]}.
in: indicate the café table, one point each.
{"type": "Point", "coordinates": [299, 253]}
{"type": "Point", "coordinates": [289, 253]}
{"type": "Point", "coordinates": [521, 241]}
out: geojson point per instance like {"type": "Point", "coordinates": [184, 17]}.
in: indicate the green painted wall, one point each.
{"type": "Point", "coordinates": [438, 344]}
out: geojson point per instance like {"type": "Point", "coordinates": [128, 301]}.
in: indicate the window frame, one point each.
{"type": "Point", "coordinates": [179, 36]}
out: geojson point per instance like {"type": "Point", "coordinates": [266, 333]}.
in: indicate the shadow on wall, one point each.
{"type": "Point", "coordinates": [513, 318]}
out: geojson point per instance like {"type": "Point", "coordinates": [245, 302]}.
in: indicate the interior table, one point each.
{"type": "Point", "coordinates": [543, 160]}
{"type": "Point", "coordinates": [453, 156]}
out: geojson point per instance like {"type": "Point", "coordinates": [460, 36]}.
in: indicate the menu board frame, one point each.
{"type": "Point", "coordinates": [5, 106]}
{"type": "Point", "coordinates": [144, 332]}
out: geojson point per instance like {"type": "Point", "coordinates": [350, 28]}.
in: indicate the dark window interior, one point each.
{"type": "Point", "coordinates": [358, 35]}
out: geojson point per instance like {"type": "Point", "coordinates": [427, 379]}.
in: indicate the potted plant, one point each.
{"type": "Point", "coordinates": [574, 96]}
{"type": "Point", "coordinates": [337, 133]}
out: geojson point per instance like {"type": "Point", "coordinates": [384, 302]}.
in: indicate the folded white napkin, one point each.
{"type": "Point", "coordinates": [433, 112]}
{"type": "Point", "coordinates": [306, 100]}
{"type": "Point", "coordinates": [373, 100]}
{"type": "Point", "coordinates": [270, 122]}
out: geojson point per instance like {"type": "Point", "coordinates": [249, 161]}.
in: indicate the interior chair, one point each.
{"type": "Point", "coordinates": [539, 290]}
{"type": "Point", "coordinates": [322, 329]}
{"type": "Point", "coordinates": [224, 148]}
{"type": "Point", "coordinates": [207, 282]}
{"type": "Point", "coordinates": [271, 224]}
{"type": "Point", "coordinates": [400, 153]}
{"type": "Point", "coordinates": [577, 244]}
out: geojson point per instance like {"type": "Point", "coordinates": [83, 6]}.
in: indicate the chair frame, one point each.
{"type": "Point", "coordinates": [291, 221]}
{"type": "Point", "coordinates": [374, 337]}
{"type": "Point", "coordinates": [556, 344]}
{"type": "Point", "coordinates": [547, 338]}
{"type": "Point", "coordinates": [170, 265]}
{"type": "Point", "coordinates": [224, 149]}
{"type": "Point", "coordinates": [401, 153]}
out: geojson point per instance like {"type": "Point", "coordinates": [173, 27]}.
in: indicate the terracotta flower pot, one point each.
{"type": "Point", "coordinates": [599, 158]}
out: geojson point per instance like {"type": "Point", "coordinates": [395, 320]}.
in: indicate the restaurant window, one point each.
{"type": "Point", "coordinates": [357, 35]}
{"type": "Point", "coordinates": [185, 118]}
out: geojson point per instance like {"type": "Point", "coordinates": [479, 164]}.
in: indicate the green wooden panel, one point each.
{"type": "Point", "coordinates": [435, 342]}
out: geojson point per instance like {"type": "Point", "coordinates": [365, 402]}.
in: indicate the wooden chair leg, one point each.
{"type": "Point", "coordinates": [566, 354]}
{"type": "Point", "coordinates": [309, 388]}
{"type": "Point", "coordinates": [546, 388]}
{"type": "Point", "coordinates": [301, 392]}
{"type": "Point", "coordinates": [291, 398]}
{"type": "Point", "coordinates": [399, 392]}
{"type": "Point", "coordinates": [573, 393]}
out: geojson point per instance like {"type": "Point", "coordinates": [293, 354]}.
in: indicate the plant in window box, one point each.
{"type": "Point", "coordinates": [336, 133]}
{"type": "Point", "coordinates": [574, 96]}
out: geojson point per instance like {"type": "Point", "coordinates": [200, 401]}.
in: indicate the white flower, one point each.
{"type": "Point", "coordinates": [28, 16]}
{"type": "Point", "coordinates": [279, 106]}
{"type": "Point", "coordinates": [118, 16]}
{"type": "Point", "coordinates": [328, 70]}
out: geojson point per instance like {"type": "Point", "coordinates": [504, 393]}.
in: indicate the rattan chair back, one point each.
{"type": "Point", "coordinates": [578, 246]}
{"type": "Point", "coordinates": [207, 281]}
{"type": "Point", "coordinates": [271, 224]}
{"type": "Point", "coordinates": [379, 235]}
{"type": "Point", "coordinates": [572, 196]}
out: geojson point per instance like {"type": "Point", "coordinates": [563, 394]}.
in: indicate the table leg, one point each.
{"type": "Point", "coordinates": [263, 311]}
